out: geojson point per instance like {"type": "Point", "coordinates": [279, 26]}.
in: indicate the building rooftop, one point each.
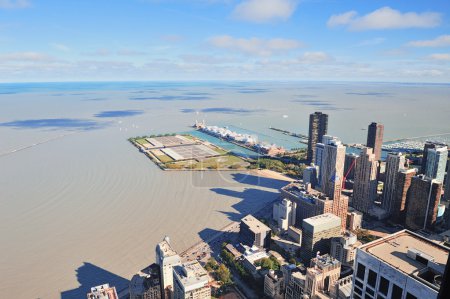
{"type": "Point", "coordinates": [165, 248]}
{"type": "Point", "coordinates": [321, 222]}
{"type": "Point", "coordinates": [410, 253]}
{"type": "Point", "coordinates": [304, 192]}
{"type": "Point", "coordinates": [254, 224]}
{"type": "Point", "coordinates": [191, 275]}
{"type": "Point", "coordinates": [103, 292]}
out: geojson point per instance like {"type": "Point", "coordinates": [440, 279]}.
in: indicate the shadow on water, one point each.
{"type": "Point", "coordinates": [118, 113]}
{"type": "Point", "coordinates": [254, 180]}
{"type": "Point", "coordinates": [90, 275]}
{"type": "Point", "coordinates": [54, 123]}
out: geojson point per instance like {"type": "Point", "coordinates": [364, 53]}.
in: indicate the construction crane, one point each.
{"type": "Point", "coordinates": [348, 172]}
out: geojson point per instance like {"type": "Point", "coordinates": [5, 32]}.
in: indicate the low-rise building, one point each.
{"type": "Point", "coordinates": [295, 234]}
{"type": "Point", "coordinates": [274, 284]}
{"type": "Point", "coordinates": [402, 265]}
{"type": "Point", "coordinates": [253, 232]}
{"type": "Point", "coordinates": [191, 281]}
{"type": "Point", "coordinates": [322, 275]}
{"type": "Point", "coordinates": [295, 288]}
{"type": "Point", "coordinates": [343, 248]}
{"type": "Point", "coordinates": [146, 284]}
{"type": "Point", "coordinates": [251, 256]}
{"type": "Point", "coordinates": [342, 288]}
{"type": "Point", "coordinates": [103, 291]}
{"type": "Point", "coordinates": [354, 219]}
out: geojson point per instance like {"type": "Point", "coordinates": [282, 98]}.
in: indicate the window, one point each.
{"type": "Point", "coordinates": [409, 296]}
{"type": "Point", "coordinates": [370, 291]}
{"type": "Point", "coordinates": [357, 291]}
{"type": "Point", "coordinates": [397, 292]}
{"type": "Point", "coordinates": [356, 297]}
{"type": "Point", "coordinates": [372, 280]}
{"type": "Point", "coordinates": [361, 272]}
{"type": "Point", "coordinates": [384, 285]}
{"type": "Point", "coordinates": [359, 283]}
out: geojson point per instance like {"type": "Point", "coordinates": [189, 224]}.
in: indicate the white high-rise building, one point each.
{"type": "Point", "coordinates": [436, 162]}
{"type": "Point", "coordinates": [284, 214]}
{"type": "Point", "coordinates": [310, 175]}
{"type": "Point", "coordinates": [395, 162]}
{"type": "Point", "coordinates": [332, 167]}
{"type": "Point", "coordinates": [403, 265]}
{"type": "Point", "coordinates": [318, 161]}
{"type": "Point", "coordinates": [167, 258]}
{"type": "Point", "coordinates": [191, 281]}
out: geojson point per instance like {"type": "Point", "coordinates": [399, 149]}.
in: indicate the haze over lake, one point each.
{"type": "Point", "coordinates": [79, 205]}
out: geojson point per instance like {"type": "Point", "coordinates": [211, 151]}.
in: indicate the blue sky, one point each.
{"type": "Point", "coordinates": [73, 40]}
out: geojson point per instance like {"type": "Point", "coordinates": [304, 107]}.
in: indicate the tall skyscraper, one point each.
{"type": "Point", "coordinates": [365, 187]}
{"type": "Point", "coordinates": [318, 126]}
{"type": "Point", "coordinates": [394, 163]}
{"type": "Point", "coordinates": [375, 139]}
{"type": "Point", "coordinates": [167, 258]}
{"type": "Point", "coordinates": [402, 265]}
{"type": "Point", "coordinates": [447, 186]}
{"type": "Point", "coordinates": [436, 162]}
{"type": "Point", "coordinates": [429, 145]}
{"type": "Point", "coordinates": [349, 166]}
{"type": "Point", "coordinates": [398, 205]}
{"type": "Point", "coordinates": [320, 147]}
{"type": "Point", "coordinates": [422, 202]}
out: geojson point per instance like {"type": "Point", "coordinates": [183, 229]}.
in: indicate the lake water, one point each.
{"type": "Point", "coordinates": [80, 206]}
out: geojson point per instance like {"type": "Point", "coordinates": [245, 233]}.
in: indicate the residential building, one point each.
{"type": "Point", "coordinates": [365, 187]}
{"type": "Point", "coordinates": [310, 202]}
{"type": "Point", "coordinates": [166, 258]}
{"type": "Point", "coordinates": [320, 147]}
{"type": "Point", "coordinates": [310, 175]}
{"type": "Point", "coordinates": [429, 145]}
{"type": "Point", "coordinates": [317, 233]}
{"type": "Point", "coordinates": [375, 139]}
{"type": "Point", "coordinates": [191, 281]}
{"type": "Point", "coordinates": [284, 214]}
{"type": "Point", "coordinates": [343, 248]}
{"type": "Point", "coordinates": [322, 275]}
{"type": "Point", "coordinates": [103, 291]}
{"type": "Point", "coordinates": [318, 127]}
{"type": "Point", "coordinates": [274, 285]}
{"type": "Point", "coordinates": [399, 199]}
{"type": "Point", "coordinates": [146, 284]}
{"type": "Point", "coordinates": [403, 265]}
{"type": "Point", "coordinates": [354, 219]}
{"type": "Point", "coordinates": [436, 163]}
{"type": "Point", "coordinates": [394, 163]}
{"type": "Point", "coordinates": [422, 203]}
{"type": "Point", "coordinates": [253, 232]}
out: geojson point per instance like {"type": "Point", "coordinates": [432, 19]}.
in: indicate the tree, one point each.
{"type": "Point", "coordinates": [224, 275]}
{"type": "Point", "coordinates": [211, 264]}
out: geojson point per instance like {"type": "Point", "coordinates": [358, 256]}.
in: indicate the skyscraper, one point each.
{"type": "Point", "coordinates": [436, 162]}
{"type": "Point", "coordinates": [447, 186]}
{"type": "Point", "coordinates": [422, 202]}
{"type": "Point", "coordinates": [394, 163]}
{"type": "Point", "coordinates": [375, 139]}
{"type": "Point", "coordinates": [365, 187]}
{"type": "Point", "coordinates": [429, 145]}
{"type": "Point", "coordinates": [349, 166]}
{"type": "Point", "coordinates": [191, 281]}
{"type": "Point", "coordinates": [167, 258]}
{"type": "Point", "coordinates": [318, 161]}
{"type": "Point", "coordinates": [318, 126]}
{"type": "Point", "coordinates": [399, 201]}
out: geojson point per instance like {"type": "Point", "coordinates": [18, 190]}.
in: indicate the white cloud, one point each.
{"type": "Point", "coordinates": [255, 46]}
{"type": "Point", "coordinates": [314, 57]}
{"type": "Point", "coordinates": [385, 18]}
{"type": "Point", "coordinates": [440, 56]}
{"type": "Point", "coordinates": [14, 4]}
{"type": "Point", "coordinates": [440, 41]}
{"type": "Point", "coordinates": [60, 47]}
{"type": "Point", "coordinates": [26, 56]}
{"type": "Point", "coordinates": [261, 11]}
{"type": "Point", "coordinates": [372, 42]}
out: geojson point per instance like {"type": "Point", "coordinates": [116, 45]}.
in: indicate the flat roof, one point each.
{"type": "Point", "coordinates": [191, 274]}
{"type": "Point", "coordinates": [166, 248]}
{"type": "Point", "coordinates": [322, 222]}
{"type": "Point", "coordinates": [393, 250]}
{"type": "Point", "coordinates": [169, 141]}
{"type": "Point", "coordinates": [254, 224]}
{"type": "Point", "coordinates": [188, 152]}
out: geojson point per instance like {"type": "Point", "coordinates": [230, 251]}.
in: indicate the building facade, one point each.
{"type": "Point", "coordinates": [422, 203]}
{"type": "Point", "coordinates": [318, 126]}
{"type": "Point", "coordinates": [436, 163]}
{"type": "Point", "coordinates": [343, 248]}
{"type": "Point", "coordinates": [394, 163]}
{"type": "Point", "coordinates": [191, 281]}
{"type": "Point", "coordinates": [375, 139]}
{"type": "Point", "coordinates": [317, 234]}
{"type": "Point", "coordinates": [166, 258]}
{"type": "Point", "coordinates": [365, 187]}
{"type": "Point", "coordinates": [354, 220]}
{"type": "Point", "coordinates": [310, 175]}
{"type": "Point", "coordinates": [284, 213]}
{"type": "Point", "coordinates": [349, 165]}
{"type": "Point", "coordinates": [403, 265]}
{"type": "Point", "coordinates": [398, 205]}
{"type": "Point", "coordinates": [253, 232]}
{"type": "Point", "coordinates": [146, 284]}
{"type": "Point", "coordinates": [429, 145]}
{"type": "Point", "coordinates": [274, 285]}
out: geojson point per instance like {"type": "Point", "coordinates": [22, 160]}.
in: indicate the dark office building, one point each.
{"type": "Point", "coordinates": [318, 126]}
{"type": "Point", "coordinates": [375, 139]}
{"type": "Point", "coordinates": [253, 232]}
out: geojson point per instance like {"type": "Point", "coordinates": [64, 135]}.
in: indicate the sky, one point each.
{"type": "Point", "coordinates": [121, 40]}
